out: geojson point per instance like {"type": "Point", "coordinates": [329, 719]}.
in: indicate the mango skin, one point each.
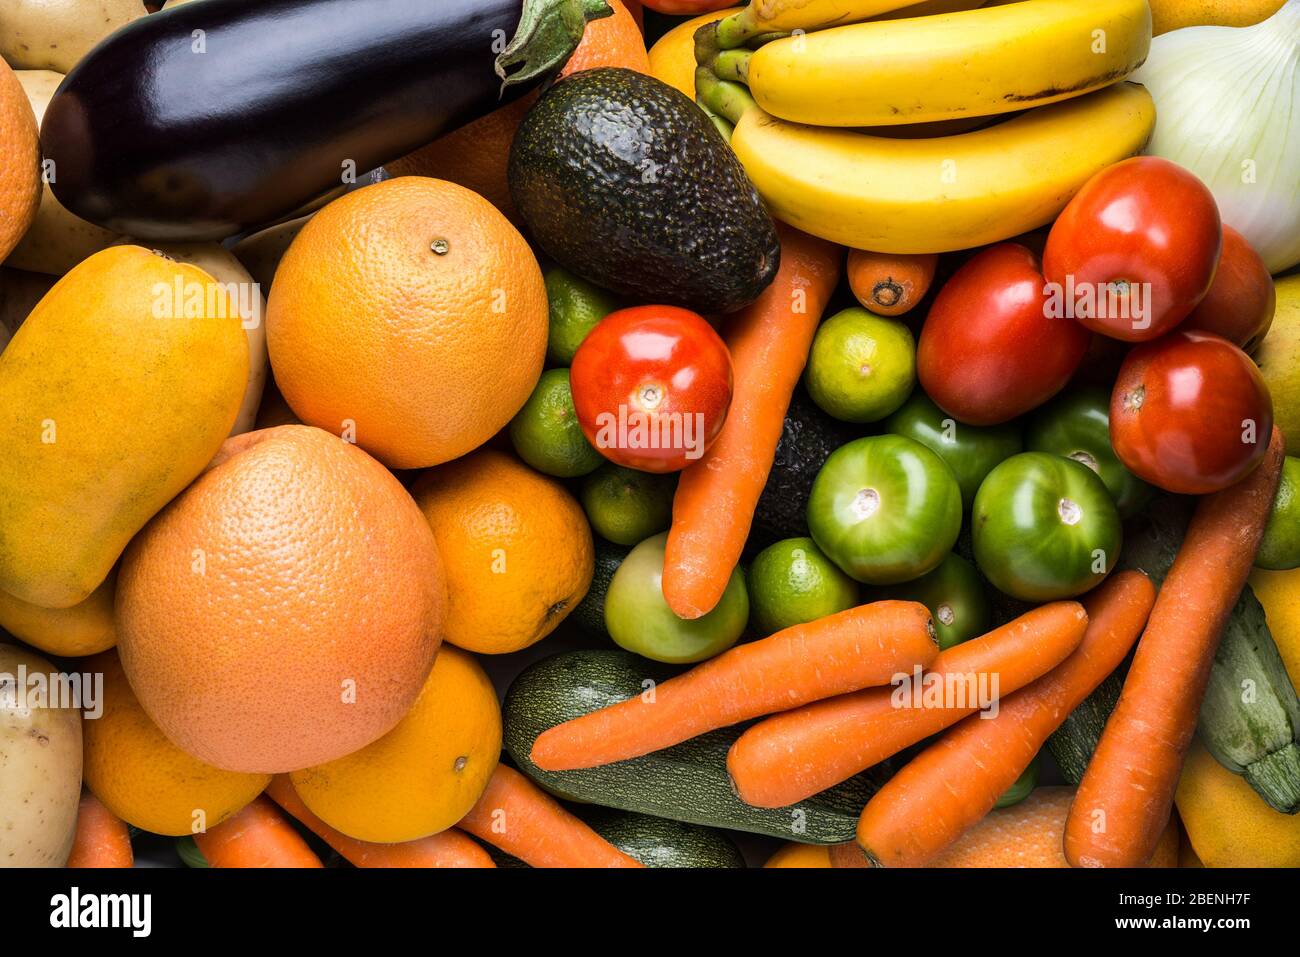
{"type": "Point", "coordinates": [86, 628]}
{"type": "Point", "coordinates": [107, 411]}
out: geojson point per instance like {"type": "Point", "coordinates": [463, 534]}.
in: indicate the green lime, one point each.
{"type": "Point", "coordinates": [627, 506]}
{"type": "Point", "coordinates": [546, 433]}
{"type": "Point", "coordinates": [955, 594]}
{"type": "Point", "coordinates": [862, 366]}
{"type": "Point", "coordinates": [575, 308]}
{"type": "Point", "coordinates": [792, 582]}
{"type": "Point", "coordinates": [1280, 549]}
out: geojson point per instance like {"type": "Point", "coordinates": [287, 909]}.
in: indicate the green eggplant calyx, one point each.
{"type": "Point", "coordinates": [1276, 778]}
{"type": "Point", "coordinates": [722, 97]}
{"type": "Point", "coordinates": [548, 33]}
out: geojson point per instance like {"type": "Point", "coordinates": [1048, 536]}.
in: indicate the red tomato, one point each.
{"type": "Point", "coordinates": [686, 8]}
{"type": "Point", "coordinates": [989, 349]}
{"type": "Point", "coordinates": [651, 386]}
{"type": "Point", "coordinates": [1190, 413]}
{"type": "Point", "coordinates": [1241, 300]}
{"type": "Point", "coordinates": [1135, 250]}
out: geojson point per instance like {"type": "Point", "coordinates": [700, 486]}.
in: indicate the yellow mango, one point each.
{"type": "Point", "coordinates": [84, 629]}
{"type": "Point", "coordinates": [114, 394]}
{"type": "Point", "coordinates": [1228, 824]}
{"type": "Point", "coordinates": [1279, 593]}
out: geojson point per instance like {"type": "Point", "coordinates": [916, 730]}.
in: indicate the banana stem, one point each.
{"type": "Point", "coordinates": [723, 126]}
{"type": "Point", "coordinates": [729, 33]}
{"type": "Point", "coordinates": [722, 98]}
{"type": "Point", "coordinates": [733, 65]}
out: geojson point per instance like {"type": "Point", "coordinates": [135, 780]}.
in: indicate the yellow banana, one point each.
{"type": "Point", "coordinates": [971, 63]}
{"type": "Point", "coordinates": [763, 17]}
{"type": "Point", "coordinates": [936, 195]}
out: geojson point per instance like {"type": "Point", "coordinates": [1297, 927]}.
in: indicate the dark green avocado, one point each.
{"type": "Point", "coordinates": [808, 437]}
{"type": "Point", "coordinates": [623, 180]}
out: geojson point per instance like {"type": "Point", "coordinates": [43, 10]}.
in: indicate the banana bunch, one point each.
{"type": "Point", "coordinates": [932, 172]}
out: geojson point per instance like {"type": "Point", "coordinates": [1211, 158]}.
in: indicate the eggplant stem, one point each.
{"type": "Point", "coordinates": [548, 33]}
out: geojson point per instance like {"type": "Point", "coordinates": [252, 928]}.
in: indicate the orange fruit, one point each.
{"type": "Point", "coordinates": [285, 609]}
{"type": "Point", "coordinates": [1028, 834]}
{"type": "Point", "coordinates": [145, 779]}
{"type": "Point", "coordinates": [800, 855]}
{"type": "Point", "coordinates": [424, 775]}
{"type": "Point", "coordinates": [411, 317]}
{"type": "Point", "coordinates": [476, 155]}
{"type": "Point", "coordinates": [516, 547]}
{"type": "Point", "coordinates": [20, 161]}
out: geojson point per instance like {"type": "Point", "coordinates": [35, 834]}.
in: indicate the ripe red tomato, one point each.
{"type": "Point", "coordinates": [651, 386]}
{"type": "Point", "coordinates": [1241, 300]}
{"type": "Point", "coordinates": [989, 349]}
{"type": "Point", "coordinates": [1135, 249]}
{"type": "Point", "coordinates": [687, 8]}
{"type": "Point", "coordinates": [1190, 413]}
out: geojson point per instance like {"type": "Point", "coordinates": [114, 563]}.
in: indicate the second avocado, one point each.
{"type": "Point", "coordinates": [624, 181]}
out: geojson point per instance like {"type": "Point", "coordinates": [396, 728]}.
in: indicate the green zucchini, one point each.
{"type": "Point", "coordinates": [1250, 716]}
{"type": "Point", "coordinates": [687, 782]}
{"type": "Point", "coordinates": [590, 612]}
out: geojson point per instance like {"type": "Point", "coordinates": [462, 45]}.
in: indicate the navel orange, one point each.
{"type": "Point", "coordinates": [285, 609]}
{"type": "Point", "coordinates": [409, 317]}
{"type": "Point", "coordinates": [516, 547]}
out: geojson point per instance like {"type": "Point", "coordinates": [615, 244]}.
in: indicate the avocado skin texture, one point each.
{"type": "Point", "coordinates": [808, 437]}
{"type": "Point", "coordinates": [624, 181]}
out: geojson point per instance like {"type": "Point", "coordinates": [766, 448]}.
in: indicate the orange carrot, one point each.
{"type": "Point", "coordinates": [1127, 792]}
{"type": "Point", "coordinates": [102, 839]}
{"type": "Point", "coordinates": [716, 496]}
{"type": "Point", "coordinates": [522, 819]}
{"type": "Point", "coordinates": [258, 836]}
{"type": "Point", "coordinates": [953, 784]}
{"type": "Point", "coordinates": [450, 848]}
{"type": "Point", "coordinates": [853, 649]}
{"type": "Point", "coordinates": [890, 284]}
{"type": "Point", "coordinates": [796, 754]}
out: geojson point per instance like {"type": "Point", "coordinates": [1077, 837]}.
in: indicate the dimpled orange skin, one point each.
{"type": "Point", "coordinates": [20, 162]}
{"type": "Point", "coordinates": [516, 547]}
{"type": "Point", "coordinates": [420, 355]}
{"type": "Point", "coordinates": [285, 609]}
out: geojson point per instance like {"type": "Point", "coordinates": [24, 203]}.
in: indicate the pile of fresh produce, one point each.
{"type": "Point", "coordinates": [557, 433]}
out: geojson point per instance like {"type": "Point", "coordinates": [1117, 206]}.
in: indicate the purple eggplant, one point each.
{"type": "Point", "coordinates": [220, 116]}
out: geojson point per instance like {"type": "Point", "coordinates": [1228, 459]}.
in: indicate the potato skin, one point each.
{"type": "Point", "coordinates": [55, 34]}
{"type": "Point", "coordinates": [40, 770]}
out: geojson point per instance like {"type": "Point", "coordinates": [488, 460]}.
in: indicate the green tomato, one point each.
{"type": "Point", "coordinates": [956, 596]}
{"type": "Point", "coordinates": [1077, 425]}
{"type": "Point", "coordinates": [638, 617]}
{"type": "Point", "coordinates": [1044, 527]}
{"type": "Point", "coordinates": [885, 509]}
{"type": "Point", "coordinates": [861, 366]}
{"type": "Point", "coordinates": [791, 582]}
{"type": "Point", "coordinates": [1280, 549]}
{"type": "Point", "coordinates": [971, 451]}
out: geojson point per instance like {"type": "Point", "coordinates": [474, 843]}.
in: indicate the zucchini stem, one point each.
{"type": "Point", "coordinates": [548, 33]}
{"type": "Point", "coordinates": [1276, 778]}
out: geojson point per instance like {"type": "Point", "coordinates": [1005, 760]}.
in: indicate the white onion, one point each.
{"type": "Point", "coordinates": [1228, 109]}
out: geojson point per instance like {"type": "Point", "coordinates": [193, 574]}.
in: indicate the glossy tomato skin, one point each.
{"type": "Point", "coordinates": [1242, 298]}
{"type": "Point", "coordinates": [1190, 413]}
{"type": "Point", "coordinates": [1145, 224]}
{"type": "Point", "coordinates": [651, 387]}
{"type": "Point", "coordinates": [1044, 527]}
{"type": "Point", "coordinates": [989, 349]}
